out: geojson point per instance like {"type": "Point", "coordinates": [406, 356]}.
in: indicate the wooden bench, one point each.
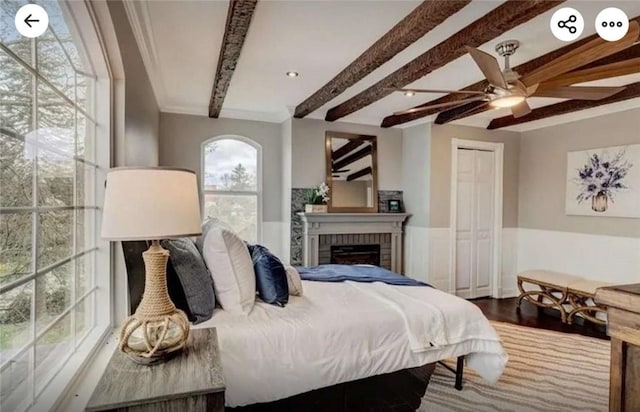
{"type": "Point", "coordinates": [571, 295]}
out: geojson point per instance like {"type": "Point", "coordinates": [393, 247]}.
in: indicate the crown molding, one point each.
{"type": "Point", "coordinates": [140, 20]}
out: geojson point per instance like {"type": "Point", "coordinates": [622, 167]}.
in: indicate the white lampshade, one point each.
{"type": "Point", "coordinates": [150, 203]}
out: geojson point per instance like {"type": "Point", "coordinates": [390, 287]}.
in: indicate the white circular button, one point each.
{"type": "Point", "coordinates": [567, 24]}
{"type": "Point", "coordinates": [612, 24]}
{"type": "Point", "coordinates": [31, 20]}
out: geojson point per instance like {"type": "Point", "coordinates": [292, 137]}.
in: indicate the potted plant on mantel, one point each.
{"type": "Point", "coordinates": [316, 199]}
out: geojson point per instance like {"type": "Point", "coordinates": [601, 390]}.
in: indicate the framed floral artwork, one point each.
{"type": "Point", "coordinates": [604, 182]}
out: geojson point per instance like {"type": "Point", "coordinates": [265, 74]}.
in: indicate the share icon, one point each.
{"type": "Point", "coordinates": [566, 24]}
{"type": "Point", "coordinates": [563, 24]}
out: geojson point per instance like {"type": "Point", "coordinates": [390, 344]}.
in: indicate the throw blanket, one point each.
{"type": "Point", "coordinates": [355, 273]}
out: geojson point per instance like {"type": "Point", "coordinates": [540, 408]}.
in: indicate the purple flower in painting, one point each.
{"type": "Point", "coordinates": [602, 176]}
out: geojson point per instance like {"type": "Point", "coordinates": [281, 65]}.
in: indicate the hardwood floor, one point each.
{"type": "Point", "coordinates": [506, 310]}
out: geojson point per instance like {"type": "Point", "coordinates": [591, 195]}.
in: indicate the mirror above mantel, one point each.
{"type": "Point", "coordinates": [352, 172]}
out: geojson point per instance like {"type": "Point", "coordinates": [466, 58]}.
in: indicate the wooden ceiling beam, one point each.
{"type": "Point", "coordinates": [363, 172]}
{"type": "Point", "coordinates": [463, 111]}
{"type": "Point", "coordinates": [505, 17]}
{"type": "Point", "coordinates": [352, 158]}
{"type": "Point", "coordinates": [632, 91]}
{"type": "Point", "coordinates": [239, 17]}
{"type": "Point", "coordinates": [415, 25]}
{"type": "Point", "coordinates": [529, 66]}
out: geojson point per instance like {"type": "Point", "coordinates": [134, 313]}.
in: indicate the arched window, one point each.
{"type": "Point", "coordinates": [232, 184]}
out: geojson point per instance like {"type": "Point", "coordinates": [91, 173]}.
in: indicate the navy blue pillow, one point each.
{"type": "Point", "coordinates": [271, 277]}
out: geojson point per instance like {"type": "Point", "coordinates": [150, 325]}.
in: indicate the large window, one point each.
{"type": "Point", "coordinates": [231, 184]}
{"type": "Point", "coordinates": [48, 204]}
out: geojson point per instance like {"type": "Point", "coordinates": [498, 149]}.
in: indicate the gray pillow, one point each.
{"type": "Point", "coordinates": [196, 281]}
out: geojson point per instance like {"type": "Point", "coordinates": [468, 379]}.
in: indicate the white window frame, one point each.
{"type": "Point", "coordinates": [257, 193]}
{"type": "Point", "coordinates": [80, 20]}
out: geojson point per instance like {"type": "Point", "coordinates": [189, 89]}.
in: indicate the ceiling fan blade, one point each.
{"type": "Point", "coordinates": [606, 71]}
{"type": "Point", "coordinates": [435, 106]}
{"type": "Point", "coordinates": [579, 92]}
{"type": "Point", "coordinates": [591, 51]}
{"type": "Point", "coordinates": [489, 66]}
{"type": "Point", "coordinates": [440, 91]}
{"type": "Point", "coordinates": [527, 91]}
{"type": "Point", "coordinates": [521, 109]}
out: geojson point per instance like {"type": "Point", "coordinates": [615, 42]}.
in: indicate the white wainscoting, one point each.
{"type": "Point", "coordinates": [509, 262]}
{"type": "Point", "coordinates": [427, 257]}
{"type": "Point", "coordinates": [416, 252]}
{"type": "Point", "coordinates": [438, 260]}
{"type": "Point", "coordinates": [606, 258]}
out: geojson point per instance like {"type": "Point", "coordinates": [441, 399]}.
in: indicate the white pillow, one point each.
{"type": "Point", "coordinates": [230, 264]}
{"type": "Point", "coordinates": [293, 281]}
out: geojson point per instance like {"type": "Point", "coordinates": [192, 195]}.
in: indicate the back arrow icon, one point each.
{"type": "Point", "coordinates": [28, 20]}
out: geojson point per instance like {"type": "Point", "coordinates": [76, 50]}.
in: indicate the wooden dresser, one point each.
{"type": "Point", "coordinates": [623, 303]}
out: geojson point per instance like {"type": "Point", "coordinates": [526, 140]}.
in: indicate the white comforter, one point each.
{"type": "Point", "coordinates": [339, 332]}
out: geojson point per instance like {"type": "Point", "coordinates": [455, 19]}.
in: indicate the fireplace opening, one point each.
{"type": "Point", "coordinates": [355, 255]}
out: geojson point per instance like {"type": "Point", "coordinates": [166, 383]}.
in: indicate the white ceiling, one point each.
{"type": "Point", "coordinates": [180, 42]}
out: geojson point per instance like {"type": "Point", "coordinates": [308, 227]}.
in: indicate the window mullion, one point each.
{"type": "Point", "coordinates": [35, 223]}
{"type": "Point", "coordinates": [35, 72]}
{"type": "Point", "coordinates": [47, 328]}
{"type": "Point", "coordinates": [74, 264]}
{"type": "Point", "coordinates": [14, 135]}
{"type": "Point", "coordinates": [38, 273]}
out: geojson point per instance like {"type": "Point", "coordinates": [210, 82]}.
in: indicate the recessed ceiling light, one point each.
{"type": "Point", "coordinates": [293, 74]}
{"type": "Point", "coordinates": [409, 93]}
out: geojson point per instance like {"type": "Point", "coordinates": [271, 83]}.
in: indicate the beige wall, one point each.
{"type": "Point", "coordinates": [543, 170]}
{"type": "Point", "coordinates": [416, 142]}
{"type": "Point", "coordinates": [181, 138]}
{"type": "Point", "coordinates": [440, 180]}
{"type": "Point", "coordinates": [308, 152]}
{"type": "Point", "coordinates": [138, 145]}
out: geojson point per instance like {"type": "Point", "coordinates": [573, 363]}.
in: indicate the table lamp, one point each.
{"type": "Point", "coordinates": [152, 204]}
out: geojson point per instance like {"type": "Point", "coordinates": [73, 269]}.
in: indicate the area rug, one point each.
{"type": "Point", "coordinates": [547, 371]}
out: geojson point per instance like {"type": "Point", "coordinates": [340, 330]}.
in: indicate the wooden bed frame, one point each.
{"type": "Point", "coordinates": [392, 392]}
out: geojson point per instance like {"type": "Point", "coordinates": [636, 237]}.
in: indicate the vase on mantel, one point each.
{"type": "Point", "coordinates": [316, 208]}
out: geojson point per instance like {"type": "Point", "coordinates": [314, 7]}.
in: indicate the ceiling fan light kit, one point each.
{"type": "Point", "coordinates": [507, 101]}
{"type": "Point", "coordinates": [508, 89]}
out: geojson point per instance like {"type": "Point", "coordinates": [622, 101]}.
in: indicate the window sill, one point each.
{"type": "Point", "coordinates": [72, 387]}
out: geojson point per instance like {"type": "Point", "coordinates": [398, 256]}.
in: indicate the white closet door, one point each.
{"type": "Point", "coordinates": [474, 223]}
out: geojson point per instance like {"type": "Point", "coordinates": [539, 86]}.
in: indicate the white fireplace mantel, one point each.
{"type": "Point", "coordinates": [316, 224]}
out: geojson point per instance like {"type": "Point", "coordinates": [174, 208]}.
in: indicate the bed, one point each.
{"type": "Point", "coordinates": [341, 339]}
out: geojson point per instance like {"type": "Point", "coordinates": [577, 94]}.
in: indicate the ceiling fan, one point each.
{"type": "Point", "coordinates": [509, 89]}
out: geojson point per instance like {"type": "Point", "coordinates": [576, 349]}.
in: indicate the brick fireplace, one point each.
{"type": "Point", "coordinates": [350, 249]}
{"type": "Point", "coordinates": [353, 238]}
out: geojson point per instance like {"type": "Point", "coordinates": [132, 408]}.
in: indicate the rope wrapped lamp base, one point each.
{"type": "Point", "coordinates": [158, 330]}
